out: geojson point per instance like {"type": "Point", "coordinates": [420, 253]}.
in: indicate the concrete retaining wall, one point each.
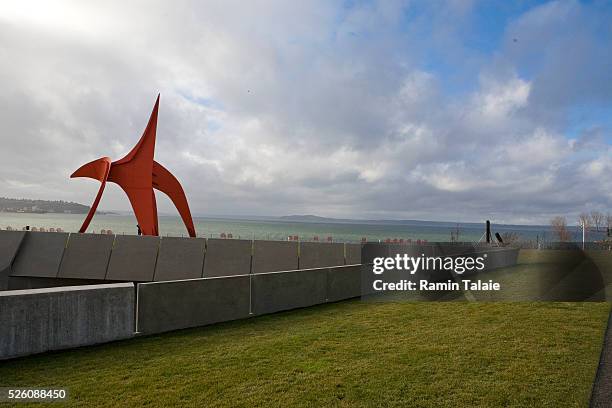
{"type": "Point", "coordinates": [144, 258]}
{"type": "Point", "coordinates": [273, 256]}
{"type": "Point", "coordinates": [227, 257]}
{"type": "Point", "coordinates": [276, 291]}
{"type": "Point", "coordinates": [165, 306]}
{"type": "Point", "coordinates": [180, 258]}
{"type": "Point", "coordinates": [38, 320]}
{"type": "Point", "coordinates": [86, 256]}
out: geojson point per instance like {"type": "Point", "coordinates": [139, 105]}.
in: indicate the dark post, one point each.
{"type": "Point", "coordinates": [488, 232]}
{"type": "Point", "coordinates": [499, 238]}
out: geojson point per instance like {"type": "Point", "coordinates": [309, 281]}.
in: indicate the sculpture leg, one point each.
{"type": "Point", "coordinates": [165, 182]}
{"type": "Point", "coordinates": [143, 204]}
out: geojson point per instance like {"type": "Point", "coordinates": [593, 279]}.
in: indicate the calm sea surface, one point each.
{"type": "Point", "coordinates": [280, 229]}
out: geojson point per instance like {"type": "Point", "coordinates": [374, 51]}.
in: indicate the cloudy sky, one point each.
{"type": "Point", "coordinates": [439, 110]}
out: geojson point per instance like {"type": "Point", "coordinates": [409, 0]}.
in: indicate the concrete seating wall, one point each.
{"type": "Point", "coordinates": [39, 320]}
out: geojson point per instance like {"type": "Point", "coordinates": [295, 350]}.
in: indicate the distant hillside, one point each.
{"type": "Point", "coordinates": [310, 218]}
{"type": "Point", "coordinates": [21, 205]}
{"type": "Point", "coordinates": [408, 223]}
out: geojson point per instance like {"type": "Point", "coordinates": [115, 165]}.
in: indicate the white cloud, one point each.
{"type": "Point", "coordinates": [281, 107]}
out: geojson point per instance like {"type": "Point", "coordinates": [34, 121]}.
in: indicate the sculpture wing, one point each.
{"type": "Point", "coordinates": [97, 170]}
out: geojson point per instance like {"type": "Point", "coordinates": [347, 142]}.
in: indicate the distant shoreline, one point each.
{"type": "Point", "coordinates": [3, 211]}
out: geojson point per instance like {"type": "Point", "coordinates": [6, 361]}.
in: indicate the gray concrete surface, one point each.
{"type": "Point", "coordinates": [371, 250]}
{"type": "Point", "coordinates": [26, 282]}
{"type": "Point", "coordinates": [180, 258]}
{"type": "Point", "coordinates": [601, 395]}
{"type": "Point", "coordinates": [165, 306]}
{"type": "Point", "coordinates": [343, 283]}
{"type": "Point", "coordinates": [320, 255]}
{"type": "Point", "coordinates": [9, 245]}
{"type": "Point", "coordinates": [39, 320]}
{"type": "Point", "coordinates": [353, 254]}
{"type": "Point", "coordinates": [133, 258]}
{"type": "Point", "coordinates": [272, 256]}
{"type": "Point", "coordinates": [227, 257]}
{"type": "Point", "coordinates": [86, 256]}
{"type": "Point", "coordinates": [276, 291]}
{"type": "Point", "coordinates": [40, 254]}
{"type": "Point", "coordinates": [499, 258]}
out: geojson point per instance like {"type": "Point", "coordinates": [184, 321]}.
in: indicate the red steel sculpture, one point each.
{"type": "Point", "coordinates": [138, 174]}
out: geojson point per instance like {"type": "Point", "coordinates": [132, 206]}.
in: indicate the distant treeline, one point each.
{"type": "Point", "coordinates": [23, 205]}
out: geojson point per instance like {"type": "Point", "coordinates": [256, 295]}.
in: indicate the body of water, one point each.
{"type": "Point", "coordinates": [279, 229]}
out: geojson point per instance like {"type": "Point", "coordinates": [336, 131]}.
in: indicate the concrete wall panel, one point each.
{"type": "Point", "coordinates": [272, 256]}
{"type": "Point", "coordinates": [343, 283]}
{"type": "Point", "coordinates": [9, 245]}
{"type": "Point", "coordinates": [499, 258]}
{"type": "Point", "coordinates": [40, 254]}
{"type": "Point", "coordinates": [353, 254]}
{"type": "Point", "coordinates": [180, 258]}
{"type": "Point", "coordinates": [165, 306]}
{"type": "Point", "coordinates": [133, 258]}
{"type": "Point", "coordinates": [320, 255]}
{"type": "Point", "coordinates": [372, 250]}
{"type": "Point", "coordinates": [25, 282]}
{"type": "Point", "coordinates": [38, 320]}
{"type": "Point", "coordinates": [86, 256]}
{"type": "Point", "coordinates": [273, 292]}
{"type": "Point", "coordinates": [227, 257]}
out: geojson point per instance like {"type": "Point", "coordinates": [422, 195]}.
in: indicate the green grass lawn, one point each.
{"type": "Point", "coordinates": [352, 353]}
